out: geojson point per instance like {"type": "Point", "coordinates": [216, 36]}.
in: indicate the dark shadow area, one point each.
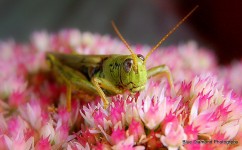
{"type": "Point", "coordinates": [216, 24]}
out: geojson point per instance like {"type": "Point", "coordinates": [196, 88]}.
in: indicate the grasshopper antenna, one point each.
{"type": "Point", "coordinates": [169, 33]}
{"type": "Point", "coordinates": [127, 45]}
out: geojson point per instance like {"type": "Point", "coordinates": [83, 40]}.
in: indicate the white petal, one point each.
{"type": "Point", "coordinates": [194, 111]}
{"type": "Point", "coordinates": [8, 141]}
{"type": "Point", "coordinates": [29, 145]}
{"type": "Point", "coordinates": [230, 129]}
{"type": "Point", "coordinates": [47, 131]}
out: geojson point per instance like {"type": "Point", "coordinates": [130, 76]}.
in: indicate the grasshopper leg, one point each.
{"type": "Point", "coordinates": [75, 81]}
{"type": "Point", "coordinates": [107, 85]}
{"type": "Point", "coordinates": [68, 98]}
{"type": "Point", "coordinates": [163, 70]}
{"type": "Point", "coordinates": [72, 78]}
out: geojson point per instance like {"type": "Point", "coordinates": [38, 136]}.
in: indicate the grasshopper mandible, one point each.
{"type": "Point", "coordinates": [109, 74]}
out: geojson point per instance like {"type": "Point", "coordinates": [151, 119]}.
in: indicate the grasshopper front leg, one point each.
{"type": "Point", "coordinates": [163, 70]}
{"type": "Point", "coordinates": [107, 85]}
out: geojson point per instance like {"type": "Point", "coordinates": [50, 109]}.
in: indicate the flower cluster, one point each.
{"type": "Point", "coordinates": [204, 113]}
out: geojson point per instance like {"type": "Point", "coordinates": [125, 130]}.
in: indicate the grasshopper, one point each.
{"type": "Point", "coordinates": [107, 75]}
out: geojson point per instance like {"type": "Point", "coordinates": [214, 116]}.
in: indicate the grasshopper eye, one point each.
{"type": "Point", "coordinates": [141, 57]}
{"type": "Point", "coordinates": [128, 64]}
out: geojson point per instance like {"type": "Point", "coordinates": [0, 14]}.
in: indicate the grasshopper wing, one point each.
{"type": "Point", "coordinates": [76, 61]}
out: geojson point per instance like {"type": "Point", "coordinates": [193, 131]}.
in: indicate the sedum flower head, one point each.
{"type": "Point", "coordinates": [206, 107]}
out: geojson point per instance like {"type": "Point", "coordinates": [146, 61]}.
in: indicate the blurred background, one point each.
{"type": "Point", "coordinates": [216, 24]}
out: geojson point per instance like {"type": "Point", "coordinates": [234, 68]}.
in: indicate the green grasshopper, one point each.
{"type": "Point", "coordinates": [109, 74]}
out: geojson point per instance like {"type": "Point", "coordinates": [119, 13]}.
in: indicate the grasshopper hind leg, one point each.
{"type": "Point", "coordinates": [68, 98]}
{"type": "Point", "coordinates": [72, 78]}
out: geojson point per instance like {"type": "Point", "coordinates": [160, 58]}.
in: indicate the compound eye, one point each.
{"type": "Point", "coordinates": [128, 64]}
{"type": "Point", "coordinates": [141, 57]}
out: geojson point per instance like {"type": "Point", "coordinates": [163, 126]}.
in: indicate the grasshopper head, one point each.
{"type": "Point", "coordinates": [133, 78]}
{"type": "Point", "coordinates": [134, 73]}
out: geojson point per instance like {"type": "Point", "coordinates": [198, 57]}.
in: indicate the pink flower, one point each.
{"type": "Point", "coordinates": [64, 115]}
{"type": "Point", "coordinates": [43, 144]}
{"type": "Point", "coordinates": [231, 76]}
{"type": "Point", "coordinates": [16, 126]}
{"type": "Point", "coordinates": [41, 40]}
{"type": "Point", "coordinates": [86, 137]}
{"type": "Point", "coordinates": [191, 132]}
{"type": "Point", "coordinates": [2, 143]}
{"type": "Point", "coordinates": [48, 131]}
{"type": "Point", "coordinates": [99, 117]}
{"type": "Point", "coordinates": [32, 113]}
{"type": "Point", "coordinates": [152, 111]}
{"type": "Point", "coordinates": [3, 124]}
{"type": "Point", "coordinates": [117, 111]}
{"type": "Point", "coordinates": [16, 99]}
{"type": "Point", "coordinates": [127, 144]}
{"type": "Point", "coordinates": [19, 142]}
{"type": "Point", "coordinates": [153, 140]}
{"type": "Point", "coordinates": [136, 129]}
{"type": "Point", "coordinates": [174, 136]}
{"type": "Point", "coordinates": [72, 37]}
{"type": "Point", "coordinates": [101, 146]}
{"type": "Point", "coordinates": [131, 110]}
{"type": "Point", "coordinates": [117, 136]}
{"type": "Point", "coordinates": [55, 133]}
{"type": "Point", "coordinates": [34, 116]}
